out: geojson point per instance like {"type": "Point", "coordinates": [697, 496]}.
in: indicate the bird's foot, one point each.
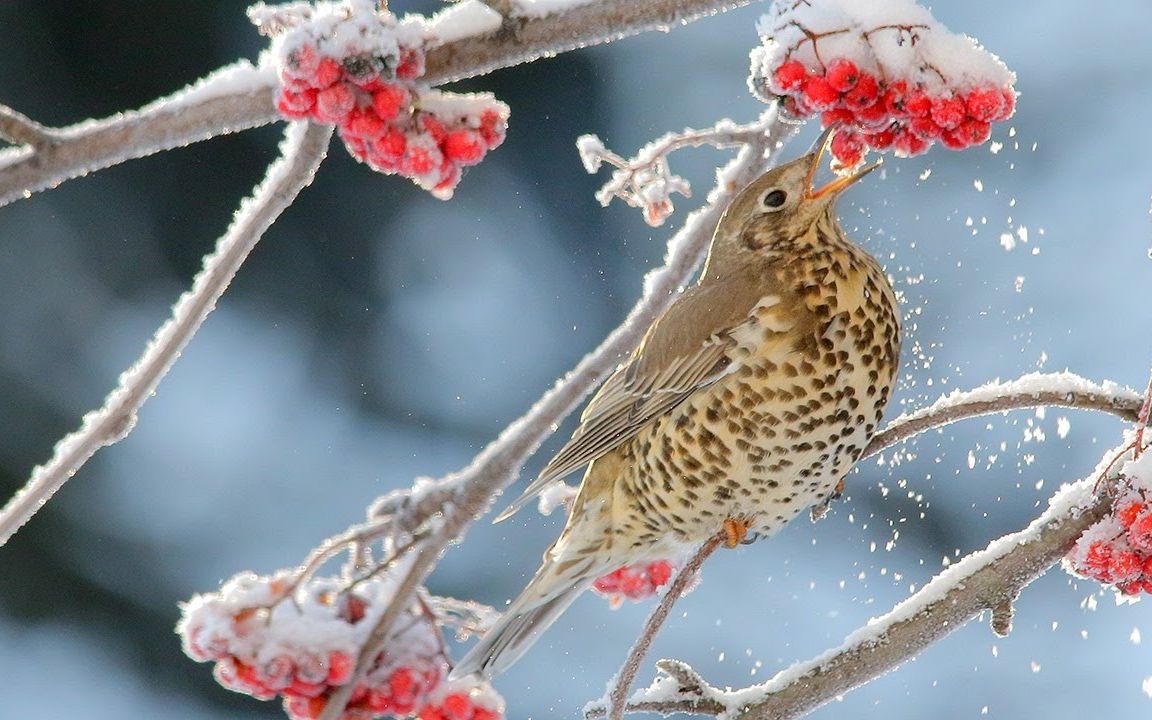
{"type": "Point", "coordinates": [735, 531]}
{"type": "Point", "coordinates": [820, 509]}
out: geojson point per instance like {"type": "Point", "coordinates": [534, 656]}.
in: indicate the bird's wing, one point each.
{"type": "Point", "coordinates": [686, 349]}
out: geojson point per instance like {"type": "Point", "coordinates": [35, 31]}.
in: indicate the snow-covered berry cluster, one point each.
{"type": "Point", "coordinates": [890, 76]}
{"type": "Point", "coordinates": [1117, 550]}
{"type": "Point", "coordinates": [301, 648]}
{"type": "Point", "coordinates": [358, 69]}
{"type": "Point", "coordinates": [637, 581]}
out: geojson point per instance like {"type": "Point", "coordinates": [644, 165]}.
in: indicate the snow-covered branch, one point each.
{"type": "Point", "coordinates": [465, 495]}
{"type": "Point", "coordinates": [1063, 389]}
{"type": "Point", "coordinates": [986, 580]}
{"type": "Point", "coordinates": [240, 96]}
{"type": "Point", "coordinates": [303, 149]}
{"type": "Point", "coordinates": [18, 129]}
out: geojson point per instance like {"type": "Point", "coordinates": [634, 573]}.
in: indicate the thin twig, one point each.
{"type": "Point", "coordinates": [19, 129]}
{"type": "Point", "coordinates": [985, 580]}
{"type": "Point", "coordinates": [303, 149]}
{"type": "Point", "coordinates": [237, 103]}
{"type": "Point", "coordinates": [1142, 420]}
{"type": "Point", "coordinates": [618, 694]}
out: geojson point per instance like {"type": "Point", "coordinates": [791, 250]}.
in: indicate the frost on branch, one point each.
{"type": "Point", "coordinates": [1117, 550]}
{"type": "Point", "coordinates": [888, 73]}
{"type": "Point", "coordinates": [349, 65]}
{"type": "Point", "coordinates": [270, 640]}
{"type": "Point", "coordinates": [645, 181]}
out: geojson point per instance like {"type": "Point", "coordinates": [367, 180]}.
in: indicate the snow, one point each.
{"type": "Point", "coordinates": [1063, 383]}
{"type": "Point", "coordinates": [556, 495]}
{"type": "Point", "coordinates": [463, 19]}
{"type": "Point", "coordinates": [896, 38]}
{"type": "Point", "coordinates": [543, 8]}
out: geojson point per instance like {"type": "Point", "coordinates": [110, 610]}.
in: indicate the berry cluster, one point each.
{"type": "Point", "coordinates": [881, 114]}
{"type": "Point", "coordinates": [1117, 550]}
{"type": "Point", "coordinates": [302, 648]}
{"type": "Point", "coordinates": [463, 700]}
{"type": "Point", "coordinates": [637, 581]}
{"type": "Point", "coordinates": [359, 72]}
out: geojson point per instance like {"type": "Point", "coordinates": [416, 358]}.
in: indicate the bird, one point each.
{"type": "Point", "coordinates": [746, 402]}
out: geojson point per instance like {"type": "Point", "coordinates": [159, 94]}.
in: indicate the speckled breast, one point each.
{"type": "Point", "coordinates": [777, 434]}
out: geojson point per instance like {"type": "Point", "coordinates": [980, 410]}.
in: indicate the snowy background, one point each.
{"type": "Point", "coordinates": [377, 334]}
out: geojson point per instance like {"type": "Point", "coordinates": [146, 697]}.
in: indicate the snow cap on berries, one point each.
{"type": "Point", "coordinates": [887, 72]}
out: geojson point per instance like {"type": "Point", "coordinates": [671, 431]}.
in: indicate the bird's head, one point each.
{"type": "Point", "coordinates": [783, 203]}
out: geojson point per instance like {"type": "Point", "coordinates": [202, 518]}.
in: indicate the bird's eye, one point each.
{"type": "Point", "coordinates": [774, 200]}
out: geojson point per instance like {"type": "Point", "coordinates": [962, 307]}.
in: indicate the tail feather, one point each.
{"type": "Point", "coordinates": [516, 631]}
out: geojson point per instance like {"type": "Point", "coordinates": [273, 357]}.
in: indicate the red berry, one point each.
{"type": "Point", "coordinates": [1126, 565]}
{"type": "Point", "coordinates": [836, 116]}
{"type": "Point", "coordinates": [865, 93]}
{"type": "Point", "coordinates": [391, 144]}
{"type": "Point", "coordinates": [456, 706]}
{"type": "Point", "coordinates": [363, 124]}
{"type": "Point", "coordinates": [917, 103]}
{"type": "Point", "coordinates": [1008, 107]}
{"type": "Point", "coordinates": [819, 94]}
{"type": "Point", "coordinates": [1140, 533]}
{"type": "Point", "coordinates": [333, 104]}
{"type": "Point", "coordinates": [796, 106]}
{"type": "Point", "coordinates": [974, 132]}
{"type": "Point", "coordinates": [893, 98]}
{"type": "Point", "coordinates": [328, 71]}
{"type": "Point", "coordinates": [1128, 514]}
{"type": "Point", "coordinates": [842, 74]}
{"type": "Point", "coordinates": [432, 127]}
{"type": "Point", "coordinates": [388, 100]}
{"type": "Point", "coordinates": [277, 672]}
{"type": "Point", "coordinates": [411, 65]}
{"type": "Point", "coordinates": [302, 62]}
{"type": "Point", "coordinates": [847, 148]}
{"type": "Point", "coordinates": [482, 713]}
{"type": "Point", "coordinates": [340, 667]}
{"type": "Point", "coordinates": [948, 112]}
{"type": "Point", "coordinates": [924, 128]}
{"type": "Point", "coordinates": [449, 177]}
{"type": "Point", "coordinates": [299, 688]}
{"type": "Point", "coordinates": [464, 147]}
{"type": "Point", "coordinates": [492, 128]}
{"type": "Point", "coordinates": [907, 144]}
{"type": "Point", "coordinates": [953, 140]}
{"type": "Point", "coordinates": [788, 77]}
{"type": "Point", "coordinates": [660, 572]}
{"type": "Point", "coordinates": [881, 140]}
{"type": "Point", "coordinates": [984, 104]}
{"type": "Point", "coordinates": [874, 117]}
{"type": "Point", "coordinates": [295, 105]}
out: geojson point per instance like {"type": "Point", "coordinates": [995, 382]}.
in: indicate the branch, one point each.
{"type": "Point", "coordinates": [1033, 390]}
{"type": "Point", "coordinates": [303, 148]}
{"type": "Point", "coordinates": [986, 580]}
{"type": "Point", "coordinates": [239, 97]}
{"type": "Point", "coordinates": [618, 694]}
{"type": "Point", "coordinates": [466, 494]}
{"type": "Point", "coordinates": [19, 129]}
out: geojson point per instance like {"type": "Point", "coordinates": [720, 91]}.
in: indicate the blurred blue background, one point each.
{"type": "Point", "coordinates": [377, 334]}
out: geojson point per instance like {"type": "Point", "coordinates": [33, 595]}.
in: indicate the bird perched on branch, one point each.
{"type": "Point", "coordinates": [747, 402]}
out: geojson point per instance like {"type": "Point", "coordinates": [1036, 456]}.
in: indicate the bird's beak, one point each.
{"type": "Point", "coordinates": [839, 183]}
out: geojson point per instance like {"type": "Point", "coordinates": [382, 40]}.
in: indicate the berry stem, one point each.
{"type": "Point", "coordinates": [618, 692]}
{"type": "Point", "coordinates": [1142, 420]}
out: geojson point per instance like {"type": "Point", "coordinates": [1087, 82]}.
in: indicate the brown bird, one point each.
{"type": "Point", "coordinates": [747, 402]}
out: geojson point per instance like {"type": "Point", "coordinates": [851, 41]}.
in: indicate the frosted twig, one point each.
{"type": "Point", "coordinates": [645, 180]}
{"type": "Point", "coordinates": [618, 692]}
{"type": "Point", "coordinates": [19, 129]}
{"type": "Point", "coordinates": [302, 150]}
{"type": "Point", "coordinates": [504, 7]}
{"type": "Point", "coordinates": [1034, 390]}
{"type": "Point", "coordinates": [191, 117]}
{"type": "Point", "coordinates": [1142, 420]}
{"type": "Point", "coordinates": [466, 494]}
{"type": "Point", "coordinates": [983, 581]}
